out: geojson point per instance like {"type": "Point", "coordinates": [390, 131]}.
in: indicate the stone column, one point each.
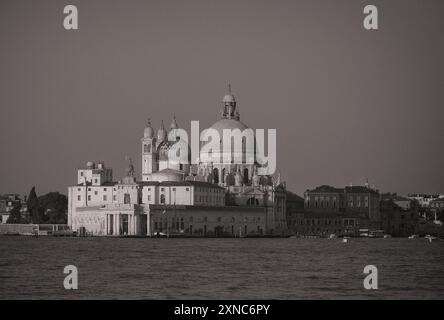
{"type": "Point", "coordinates": [130, 224]}
{"type": "Point", "coordinates": [148, 224]}
{"type": "Point", "coordinates": [116, 229]}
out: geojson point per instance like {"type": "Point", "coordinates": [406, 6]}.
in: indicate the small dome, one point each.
{"type": "Point", "coordinates": [90, 165]}
{"type": "Point", "coordinates": [174, 124]}
{"type": "Point", "coordinates": [228, 98]}
{"type": "Point", "coordinates": [149, 131]}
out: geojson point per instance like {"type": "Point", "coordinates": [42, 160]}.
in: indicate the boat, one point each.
{"type": "Point", "coordinates": [344, 240]}
{"type": "Point", "coordinates": [332, 236]}
{"type": "Point", "coordinates": [430, 238]}
{"type": "Point", "coordinates": [413, 236]}
{"type": "Point", "coordinates": [386, 236]}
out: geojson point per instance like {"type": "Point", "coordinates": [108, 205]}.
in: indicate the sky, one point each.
{"type": "Point", "coordinates": [348, 104]}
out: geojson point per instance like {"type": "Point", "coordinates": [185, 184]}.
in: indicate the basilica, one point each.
{"type": "Point", "coordinates": [204, 198]}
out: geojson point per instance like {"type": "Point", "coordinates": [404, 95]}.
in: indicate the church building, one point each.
{"type": "Point", "coordinates": [171, 198]}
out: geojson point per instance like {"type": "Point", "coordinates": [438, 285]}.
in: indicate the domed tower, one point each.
{"type": "Point", "coordinates": [242, 149]}
{"type": "Point", "coordinates": [161, 135]}
{"type": "Point", "coordinates": [149, 152]}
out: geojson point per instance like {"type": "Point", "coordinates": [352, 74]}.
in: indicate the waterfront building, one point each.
{"type": "Point", "coordinates": [341, 211]}
{"type": "Point", "coordinates": [171, 197]}
{"type": "Point", "coordinates": [8, 202]}
{"type": "Point", "coordinates": [399, 215]}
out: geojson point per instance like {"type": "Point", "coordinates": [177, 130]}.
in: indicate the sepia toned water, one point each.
{"type": "Point", "coordinates": [118, 268]}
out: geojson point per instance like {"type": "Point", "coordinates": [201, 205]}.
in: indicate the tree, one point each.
{"type": "Point", "coordinates": [31, 203]}
{"type": "Point", "coordinates": [15, 215]}
{"type": "Point", "coordinates": [51, 208]}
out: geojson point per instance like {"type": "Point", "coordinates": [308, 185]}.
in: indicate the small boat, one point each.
{"type": "Point", "coordinates": [344, 240]}
{"type": "Point", "coordinates": [430, 238]}
{"type": "Point", "coordinates": [387, 236]}
{"type": "Point", "coordinates": [413, 236]}
{"type": "Point", "coordinates": [332, 236]}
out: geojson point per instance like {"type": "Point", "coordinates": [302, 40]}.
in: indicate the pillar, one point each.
{"type": "Point", "coordinates": [148, 224]}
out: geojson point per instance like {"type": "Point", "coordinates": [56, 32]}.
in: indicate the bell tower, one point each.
{"type": "Point", "coordinates": [149, 152]}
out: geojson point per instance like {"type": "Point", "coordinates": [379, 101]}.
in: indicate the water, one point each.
{"type": "Point", "coordinates": [32, 268]}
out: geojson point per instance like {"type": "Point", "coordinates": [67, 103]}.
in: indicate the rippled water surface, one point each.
{"type": "Point", "coordinates": [220, 268]}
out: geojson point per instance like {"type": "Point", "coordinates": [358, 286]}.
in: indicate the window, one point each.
{"type": "Point", "coordinates": [89, 198]}
{"type": "Point", "coordinates": [174, 189]}
{"type": "Point", "coordinates": [81, 174]}
{"type": "Point", "coordinates": [114, 198]}
{"type": "Point", "coordinates": [187, 189]}
{"type": "Point", "coordinates": [149, 197]}
{"type": "Point", "coordinates": [162, 189]}
{"type": "Point", "coordinates": [104, 189]}
{"type": "Point", "coordinates": [96, 193]}
{"type": "Point", "coordinates": [104, 197]}
{"type": "Point", "coordinates": [162, 198]}
{"type": "Point", "coordinates": [126, 198]}
{"type": "Point", "coordinates": [79, 198]}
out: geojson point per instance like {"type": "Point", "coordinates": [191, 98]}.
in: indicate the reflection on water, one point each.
{"type": "Point", "coordinates": [220, 268]}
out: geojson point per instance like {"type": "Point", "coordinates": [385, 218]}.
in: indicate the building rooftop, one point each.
{"type": "Point", "coordinates": [327, 188]}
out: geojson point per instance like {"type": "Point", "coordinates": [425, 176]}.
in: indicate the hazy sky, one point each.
{"type": "Point", "coordinates": [348, 104]}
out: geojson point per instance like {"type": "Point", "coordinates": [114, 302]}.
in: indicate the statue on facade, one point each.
{"type": "Point", "coordinates": [255, 178]}
{"type": "Point", "coordinates": [130, 168]}
{"type": "Point", "coordinates": [238, 178]}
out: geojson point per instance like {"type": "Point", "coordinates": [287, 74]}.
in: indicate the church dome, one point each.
{"type": "Point", "coordinates": [228, 124]}
{"type": "Point", "coordinates": [168, 175]}
{"type": "Point", "coordinates": [228, 98]}
{"type": "Point", "coordinates": [174, 124]}
{"type": "Point", "coordinates": [149, 131]}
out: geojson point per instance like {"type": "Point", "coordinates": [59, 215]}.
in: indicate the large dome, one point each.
{"type": "Point", "coordinates": [228, 124]}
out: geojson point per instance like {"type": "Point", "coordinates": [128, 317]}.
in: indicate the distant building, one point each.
{"type": "Point", "coordinates": [8, 202]}
{"type": "Point", "coordinates": [437, 209]}
{"type": "Point", "coordinates": [340, 211]}
{"type": "Point", "coordinates": [399, 215]}
{"type": "Point", "coordinates": [424, 199]}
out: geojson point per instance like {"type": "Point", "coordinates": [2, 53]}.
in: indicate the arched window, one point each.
{"type": "Point", "coordinates": [223, 176]}
{"type": "Point", "coordinates": [252, 202]}
{"type": "Point", "coordinates": [216, 175]}
{"type": "Point", "coordinates": [162, 198]}
{"type": "Point", "coordinates": [126, 198]}
{"type": "Point", "coordinates": [147, 148]}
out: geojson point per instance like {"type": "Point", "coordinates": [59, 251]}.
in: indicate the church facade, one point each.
{"type": "Point", "coordinates": [201, 199]}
